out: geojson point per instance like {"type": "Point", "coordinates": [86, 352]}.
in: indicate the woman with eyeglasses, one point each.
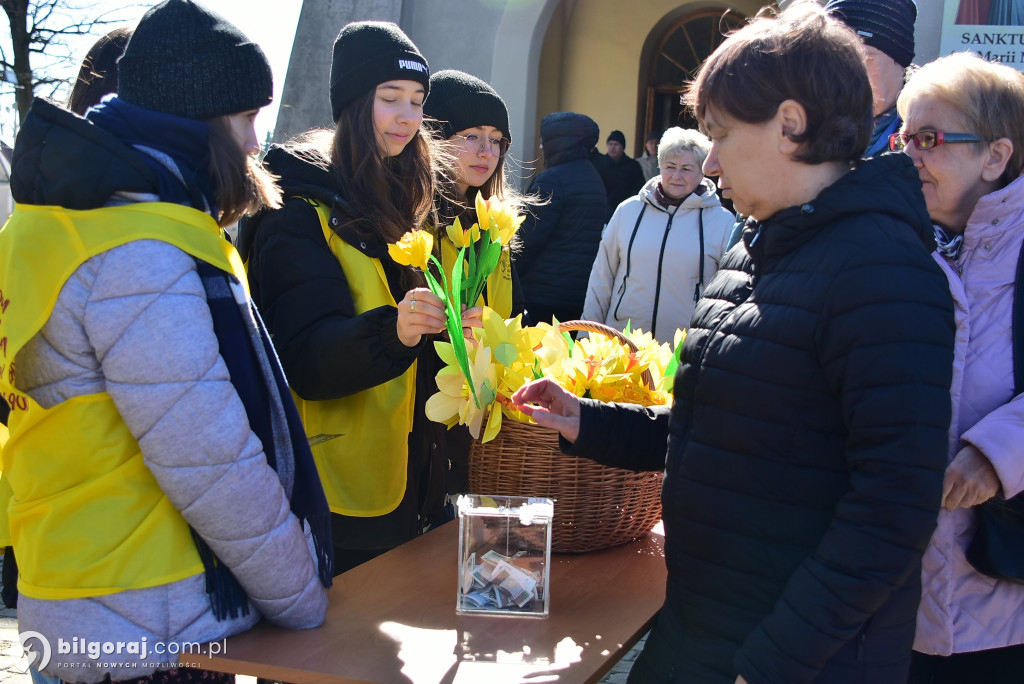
{"type": "Point", "coordinates": [472, 119]}
{"type": "Point", "coordinates": [964, 130]}
{"type": "Point", "coordinates": [470, 116]}
{"type": "Point", "coordinates": [350, 324]}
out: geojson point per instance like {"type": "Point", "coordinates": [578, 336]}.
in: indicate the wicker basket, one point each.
{"type": "Point", "coordinates": [595, 506]}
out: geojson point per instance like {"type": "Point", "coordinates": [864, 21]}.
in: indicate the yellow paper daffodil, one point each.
{"type": "Point", "coordinates": [509, 341]}
{"type": "Point", "coordinates": [443, 407]}
{"type": "Point", "coordinates": [500, 218]}
{"type": "Point", "coordinates": [413, 249]}
{"type": "Point", "coordinates": [508, 356]}
{"type": "Point", "coordinates": [463, 238]}
{"type": "Point", "coordinates": [453, 403]}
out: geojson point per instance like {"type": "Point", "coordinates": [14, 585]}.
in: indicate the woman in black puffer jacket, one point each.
{"type": "Point", "coordinates": [806, 444]}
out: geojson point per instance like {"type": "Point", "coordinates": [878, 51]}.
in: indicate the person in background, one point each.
{"type": "Point", "coordinates": [621, 174]}
{"type": "Point", "coordinates": [804, 450]}
{"type": "Point", "coordinates": [350, 324]}
{"type": "Point", "coordinates": [649, 159]}
{"type": "Point", "coordinates": [886, 31]}
{"type": "Point", "coordinates": [472, 118]}
{"type": "Point", "coordinates": [560, 237]}
{"type": "Point", "coordinates": [161, 488]}
{"type": "Point", "coordinates": [964, 130]}
{"type": "Point", "coordinates": [98, 74]}
{"type": "Point", "coordinates": [663, 246]}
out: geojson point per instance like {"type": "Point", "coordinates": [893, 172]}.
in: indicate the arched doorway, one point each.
{"type": "Point", "coordinates": [678, 51]}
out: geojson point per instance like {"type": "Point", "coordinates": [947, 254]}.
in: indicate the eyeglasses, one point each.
{"type": "Point", "coordinates": [926, 140]}
{"type": "Point", "coordinates": [475, 144]}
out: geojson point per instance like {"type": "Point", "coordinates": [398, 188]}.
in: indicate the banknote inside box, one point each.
{"type": "Point", "coordinates": [504, 555]}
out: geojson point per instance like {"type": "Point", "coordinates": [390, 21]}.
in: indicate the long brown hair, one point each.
{"type": "Point", "coordinates": [389, 196]}
{"type": "Point", "coordinates": [98, 74]}
{"type": "Point", "coordinates": [240, 183]}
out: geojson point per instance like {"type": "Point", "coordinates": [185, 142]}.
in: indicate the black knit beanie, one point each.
{"type": "Point", "coordinates": [185, 60]}
{"type": "Point", "coordinates": [368, 53]}
{"type": "Point", "coordinates": [459, 101]}
{"type": "Point", "coordinates": [886, 25]}
{"type": "Point", "coordinates": [617, 135]}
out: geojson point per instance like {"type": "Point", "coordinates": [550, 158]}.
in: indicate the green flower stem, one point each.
{"type": "Point", "coordinates": [453, 309]}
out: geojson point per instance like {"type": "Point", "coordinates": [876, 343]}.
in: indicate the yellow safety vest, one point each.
{"type": "Point", "coordinates": [86, 515]}
{"type": "Point", "coordinates": [5, 493]}
{"type": "Point", "coordinates": [364, 469]}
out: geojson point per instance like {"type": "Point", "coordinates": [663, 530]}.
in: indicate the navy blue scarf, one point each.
{"type": "Point", "coordinates": [948, 245]}
{"type": "Point", "coordinates": [259, 380]}
{"type": "Point", "coordinates": [183, 140]}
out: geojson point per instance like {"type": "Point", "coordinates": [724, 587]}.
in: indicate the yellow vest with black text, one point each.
{"type": "Point", "coordinates": [86, 516]}
{"type": "Point", "coordinates": [365, 467]}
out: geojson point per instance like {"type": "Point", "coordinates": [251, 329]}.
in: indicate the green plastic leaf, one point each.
{"type": "Point", "coordinates": [671, 367]}
{"type": "Point", "coordinates": [453, 307]}
{"type": "Point", "coordinates": [505, 354]}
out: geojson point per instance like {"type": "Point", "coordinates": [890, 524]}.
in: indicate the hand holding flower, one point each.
{"type": "Point", "coordinates": [550, 405]}
{"type": "Point", "coordinates": [420, 313]}
{"type": "Point", "coordinates": [472, 318]}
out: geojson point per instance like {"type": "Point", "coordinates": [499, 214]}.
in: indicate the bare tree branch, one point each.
{"type": "Point", "coordinates": [45, 27]}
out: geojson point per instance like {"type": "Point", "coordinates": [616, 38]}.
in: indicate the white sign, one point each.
{"type": "Point", "coordinates": [992, 29]}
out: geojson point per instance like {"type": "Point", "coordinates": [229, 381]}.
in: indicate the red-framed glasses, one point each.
{"type": "Point", "coordinates": [926, 140]}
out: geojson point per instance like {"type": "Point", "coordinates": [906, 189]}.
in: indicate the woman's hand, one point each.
{"type": "Point", "coordinates": [970, 480]}
{"type": "Point", "coordinates": [472, 318]}
{"type": "Point", "coordinates": [420, 313]}
{"type": "Point", "coordinates": [551, 406]}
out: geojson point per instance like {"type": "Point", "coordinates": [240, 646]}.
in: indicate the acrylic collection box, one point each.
{"type": "Point", "coordinates": [504, 555]}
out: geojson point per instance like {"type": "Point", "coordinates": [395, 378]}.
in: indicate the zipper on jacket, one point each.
{"type": "Point", "coordinates": [661, 259]}
{"type": "Point", "coordinates": [629, 261]}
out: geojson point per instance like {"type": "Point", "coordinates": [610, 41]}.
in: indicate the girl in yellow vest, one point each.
{"type": "Point", "coordinates": [348, 322]}
{"type": "Point", "coordinates": [471, 117]}
{"type": "Point", "coordinates": [159, 486]}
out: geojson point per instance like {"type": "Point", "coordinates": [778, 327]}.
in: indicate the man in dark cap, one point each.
{"type": "Point", "coordinates": [621, 174]}
{"type": "Point", "coordinates": [886, 30]}
{"type": "Point", "coordinates": [649, 159]}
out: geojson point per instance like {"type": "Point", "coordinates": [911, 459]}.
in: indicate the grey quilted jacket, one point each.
{"type": "Point", "coordinates": [134, 322]}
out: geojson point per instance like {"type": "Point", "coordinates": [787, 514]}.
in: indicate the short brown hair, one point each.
{"type": "Point", "coordinates": [802, 55]}
{"type": "Point", "coordinates": [989, 98]}
{"type": "Point", "coordinates": [240, 183]}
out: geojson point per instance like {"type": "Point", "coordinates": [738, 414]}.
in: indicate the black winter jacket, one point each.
{"type": "Point", "coordinates": [623, 178]}
{"type": "Point", "coordinates": [560, 238]}
{"type": "Point", "coordinates": [327, 351]}
{"type": "Point", "coordinates": [806, 445]}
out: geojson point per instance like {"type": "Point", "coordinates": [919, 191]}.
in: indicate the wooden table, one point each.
{"type": "Point", "coordinates": [393, 620]}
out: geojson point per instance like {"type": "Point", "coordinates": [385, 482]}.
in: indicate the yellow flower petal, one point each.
{"type": "Point", "coordinates": [413, 249]}
{"type": "Point", "coordinates": [493, 423]}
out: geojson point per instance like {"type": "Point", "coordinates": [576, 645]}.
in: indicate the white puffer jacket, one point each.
{"type": "Point", "coordinates": [652, 283]}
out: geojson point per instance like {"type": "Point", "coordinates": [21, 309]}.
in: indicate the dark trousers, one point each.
{"type": "Point", "coordinates": [994, 666]}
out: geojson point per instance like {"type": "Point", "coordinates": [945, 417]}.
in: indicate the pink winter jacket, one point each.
{"type": "Point", "coordinates": [961, 609]}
